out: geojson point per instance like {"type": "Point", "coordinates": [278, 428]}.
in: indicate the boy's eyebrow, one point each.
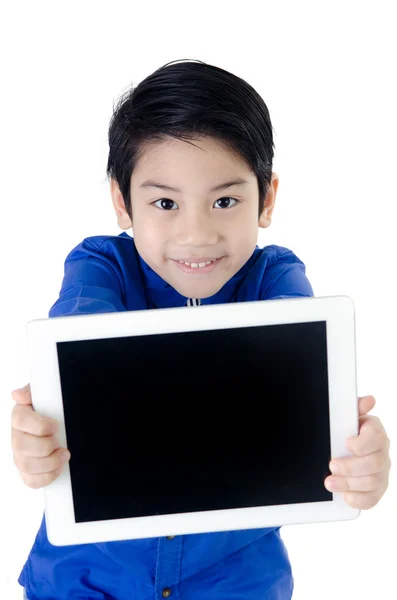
{"type": "Point", "coordinates": [151, 183]}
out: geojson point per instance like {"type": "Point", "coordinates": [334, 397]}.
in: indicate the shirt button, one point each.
{"type": "Point", "coordinates": [170, 537]}
{"type": "Point", "coordinates": [166, 592]}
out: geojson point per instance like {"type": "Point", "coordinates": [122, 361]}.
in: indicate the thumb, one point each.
{"type": "Point", "coordinates": [365, 404]}
{"type": "Point", "coordinates": [22, 395]}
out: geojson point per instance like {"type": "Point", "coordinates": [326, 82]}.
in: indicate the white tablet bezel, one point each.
{"type": "Point", "coordinates": [43, 334]}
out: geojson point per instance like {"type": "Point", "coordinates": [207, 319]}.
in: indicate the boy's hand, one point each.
{"type": "Point", "coordinates": [37, 454]}
{"type": "Point", "coordinates": [363, 477]}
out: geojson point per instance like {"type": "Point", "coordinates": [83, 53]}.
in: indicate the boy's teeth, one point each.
{"type": "Point", "coordinates": [197, 265]}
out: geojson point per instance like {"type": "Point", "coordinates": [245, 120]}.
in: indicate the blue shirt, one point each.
{"type": "Point", "coordinates": [106, 274]}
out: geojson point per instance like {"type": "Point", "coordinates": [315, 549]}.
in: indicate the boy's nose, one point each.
{"type": "Point", "coordinates": [195, 231]}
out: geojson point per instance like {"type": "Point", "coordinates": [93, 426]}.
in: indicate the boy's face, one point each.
{"type": "Point", "coordinates": [194, 224]}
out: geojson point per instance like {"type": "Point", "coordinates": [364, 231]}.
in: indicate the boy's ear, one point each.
{"type": "Point", "coordinates": [265, 218]}
{"type": "Point", "coordinates": [123, 219]}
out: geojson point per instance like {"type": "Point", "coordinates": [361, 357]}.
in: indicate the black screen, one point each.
{"type": "Point", "coordinates": [197, 421]}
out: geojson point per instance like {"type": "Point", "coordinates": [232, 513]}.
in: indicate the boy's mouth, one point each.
{"type": "Point", "coordinates": [198, 265]}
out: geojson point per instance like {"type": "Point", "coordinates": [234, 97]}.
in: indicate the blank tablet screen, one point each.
{"type": "Point", "coordinates": [196, 421]}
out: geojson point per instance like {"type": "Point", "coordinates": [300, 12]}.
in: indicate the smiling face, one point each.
{"type": "Point", "coordinates": [194, 222]}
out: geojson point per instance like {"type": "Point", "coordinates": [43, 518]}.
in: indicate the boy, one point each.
{"type": "Point", "coordinates": [194, 207]}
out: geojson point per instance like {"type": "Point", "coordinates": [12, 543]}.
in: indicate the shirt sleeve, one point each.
{"type": "Point", "coordinates": [92, 283]}
{"type": "Point", "coordinates": [289, 278]}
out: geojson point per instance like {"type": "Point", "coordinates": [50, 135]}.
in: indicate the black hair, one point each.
{"type": "Point", "coordinates": [185, 99]}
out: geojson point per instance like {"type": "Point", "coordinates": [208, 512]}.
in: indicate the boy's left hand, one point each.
{"type": "Point", "coordinates": [363, 477]}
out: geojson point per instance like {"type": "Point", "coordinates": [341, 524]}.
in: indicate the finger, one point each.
{"type": "Point", "coordinates": [360, 466]}
{"type": "Point", "coordinates": [22, 395]}
{"type": "Point", "coordinates": [371, 483]}
{"type": "Point", "coordinates": [32, 445]}
{"type": "Point", "coordinates": [365, 404]}
{"type": "Point", "coordinates": [24, 418]}
{"type": "Point", "coordinates": [28, 464]}
{"type": "Point", "coordinates": [372, 437]}
{"type": "Point", "coordinates": [361, 500]}
{"type": "Point", "coordinates": [41, 480]}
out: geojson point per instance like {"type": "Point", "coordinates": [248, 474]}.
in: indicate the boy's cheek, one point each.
{"type": "Point", "coordinates": [147, 244]}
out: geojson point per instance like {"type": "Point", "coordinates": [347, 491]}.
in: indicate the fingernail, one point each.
{"type": "Point", "coordinates": [65, 456]}
{"type": "Point", "coordinates": [334, 468]}
{"type": "Point", "coordinates": [331, 484]}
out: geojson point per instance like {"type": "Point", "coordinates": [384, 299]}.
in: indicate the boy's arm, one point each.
{"type": "Point", "coordinates": [92, 283]}
{"type": "Point", "coordinates": [286, 278]}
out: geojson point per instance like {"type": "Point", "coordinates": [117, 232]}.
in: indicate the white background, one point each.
{"type": "Point", "coordinates": [327, 72]}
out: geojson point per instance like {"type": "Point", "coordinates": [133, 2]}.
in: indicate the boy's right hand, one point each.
{"type": "Point", "coordinates": [37, 454]}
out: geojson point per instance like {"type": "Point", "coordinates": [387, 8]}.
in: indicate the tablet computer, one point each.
{"type": "Point", "coordinates": [200, 419]}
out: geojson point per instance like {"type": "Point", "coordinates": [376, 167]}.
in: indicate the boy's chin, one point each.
{"type": "Point", "coordinates": [197, 291]}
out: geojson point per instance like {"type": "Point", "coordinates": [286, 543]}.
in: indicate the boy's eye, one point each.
{"type": "Point", "coordinates": [226, 202]}
{"type": "Point", "coordinates": [166, 204]}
